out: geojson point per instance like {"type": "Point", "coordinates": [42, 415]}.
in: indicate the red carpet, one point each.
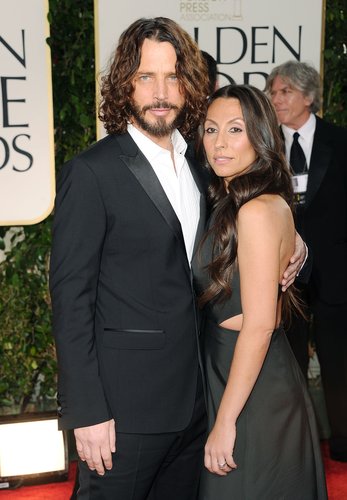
{"type": "Point", "coordinates": [336, 474]}
{"type": "Point", "coordinates": [51, 491]}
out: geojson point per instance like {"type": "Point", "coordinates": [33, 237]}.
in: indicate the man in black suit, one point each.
{"type": "Point", "coordinates": [320, 183]}
{"type": "Point", "coordinates": [128, 213]}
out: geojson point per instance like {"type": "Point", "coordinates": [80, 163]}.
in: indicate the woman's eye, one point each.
{"type": "Point", "coordinates": [210, 130]}
{"type": "Point", "coordinates": [235, 130]}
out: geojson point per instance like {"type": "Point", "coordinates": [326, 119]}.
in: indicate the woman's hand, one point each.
{"type": "Point", "coordinates": [219, 449]}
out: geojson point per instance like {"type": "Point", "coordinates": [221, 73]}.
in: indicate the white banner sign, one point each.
{"type": "Point", "coordinates": [26, 117]}
{"type": "Point", "coordinates": [246, 37]}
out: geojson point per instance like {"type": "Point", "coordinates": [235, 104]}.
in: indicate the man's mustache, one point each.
{"type": "Point", "coordinates": [159, 105]}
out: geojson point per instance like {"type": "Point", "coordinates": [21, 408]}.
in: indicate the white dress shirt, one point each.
{"type": "Point", "coordinates": [176, 180]}
{"type": "Point", "coordinates": [306, 133]}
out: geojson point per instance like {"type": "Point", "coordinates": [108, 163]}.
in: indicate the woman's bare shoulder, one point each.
{"type": "Point", "coordinates": [264, 207]}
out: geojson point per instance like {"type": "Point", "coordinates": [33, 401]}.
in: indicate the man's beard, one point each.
{"type": "Point", "coordinates": [160, 128]}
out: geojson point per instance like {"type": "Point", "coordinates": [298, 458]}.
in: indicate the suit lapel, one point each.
{"type": "Point", "coordinates": [202, 223]}
{"type": "Point", "coordinates": [320, 159]}
{"type": "Point", "coordinates": [140, 167]}
{"type": "Point", "coordinates": [195, 169]}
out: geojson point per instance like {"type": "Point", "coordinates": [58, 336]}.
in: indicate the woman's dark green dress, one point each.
{"type": "Point", "coordinates": [277, 448]}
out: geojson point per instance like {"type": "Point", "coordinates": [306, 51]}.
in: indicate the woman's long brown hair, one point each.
{"type": "Point", "coordinates": [269, 174]}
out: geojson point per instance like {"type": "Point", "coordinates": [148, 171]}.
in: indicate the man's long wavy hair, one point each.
{"type": "Point", "coordinates": [117, 86]}
{"type": "Point", "coordinates": [269, 174]}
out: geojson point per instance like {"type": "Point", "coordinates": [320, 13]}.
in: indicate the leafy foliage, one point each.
{"type": "Point", "coordinates": [335, 63]}
{"type": "Point", "coordinates": [72, 49]}
{"type": "Point", "coordinates": [26, 350]}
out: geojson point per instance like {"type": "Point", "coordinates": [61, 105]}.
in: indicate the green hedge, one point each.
{"type": "Point", "coordinates": [335, 63]}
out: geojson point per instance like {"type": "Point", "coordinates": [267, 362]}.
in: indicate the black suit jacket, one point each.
{"type": "Point", "coordinates": [323, 222]}
{"type": "Point", "coordinates": [124, 315]}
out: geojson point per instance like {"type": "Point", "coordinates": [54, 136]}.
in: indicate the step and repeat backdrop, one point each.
{"type": "Point", "coordinates": [26, 117]}
{"type": "Point", "coordinates": [246, 37]}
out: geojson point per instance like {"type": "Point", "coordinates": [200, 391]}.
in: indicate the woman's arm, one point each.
{"type": "Point", "coordinates": [260, 240]}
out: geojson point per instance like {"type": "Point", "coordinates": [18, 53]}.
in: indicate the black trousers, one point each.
{"type": "Point", "coordinates": [152, 466]}
{"type": "Point", "coordinates": [330, 335]}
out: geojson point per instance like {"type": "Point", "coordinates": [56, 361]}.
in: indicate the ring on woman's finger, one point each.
{"type": "Point", "coordinates": [221, 466]}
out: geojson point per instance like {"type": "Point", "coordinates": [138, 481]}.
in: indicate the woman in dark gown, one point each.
{"type": "Point", "coordinates": [262, 443]}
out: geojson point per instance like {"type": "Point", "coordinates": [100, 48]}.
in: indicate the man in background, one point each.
{"type": "Point", "coordinates": [317, 153]}
{"type": "Point", "coordinates": [212, 69]}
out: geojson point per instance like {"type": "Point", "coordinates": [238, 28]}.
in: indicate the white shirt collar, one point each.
{"type": "Point", "coordinates": [305, 140]}
{"type": "Point", "coordinates": [306, 131]}
{"type": "Point", "coordinates": [150, 149]}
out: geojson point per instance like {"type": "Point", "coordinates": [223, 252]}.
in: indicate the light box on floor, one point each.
{"type": "Point", "coordinates": [32, 449]}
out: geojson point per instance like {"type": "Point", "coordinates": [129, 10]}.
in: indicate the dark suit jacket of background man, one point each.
{"type": "Point", "coordinates": [122, 294]}
{"type": "Point", "coordinates": [323, 226]}
{"type": "Point", "coordinates": [323, 222]}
